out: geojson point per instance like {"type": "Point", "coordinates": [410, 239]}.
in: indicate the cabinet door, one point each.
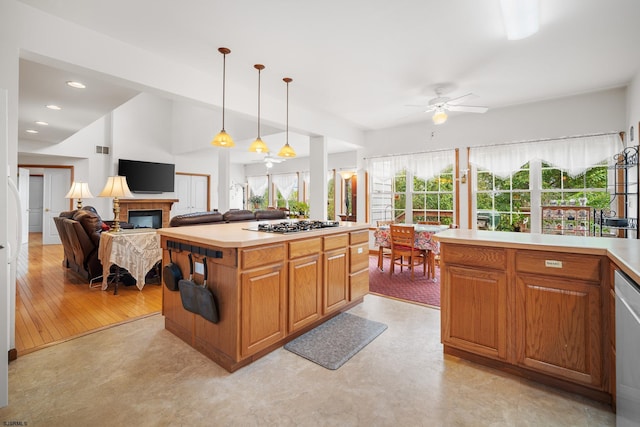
{"type": "Point", "coordinates": [305, 291]}
{"type": "Point", "coordinates": [336, 275]}
{"type": "Point", "coordinates": [263, 297]}
{"type": "Point", "coordinates": [558, 328]}
{"type": "Point", "coordinates": [475, 310]}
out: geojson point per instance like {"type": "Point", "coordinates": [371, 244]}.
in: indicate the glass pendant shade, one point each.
{"type": "Point", "coordinates": [287, 150]}
{"type": "Point", "coordinates": [223, 139]}
{"type": "Point", "coordinates": [258, 146]}
{"type": "Point", "coordinates": [439, 116]}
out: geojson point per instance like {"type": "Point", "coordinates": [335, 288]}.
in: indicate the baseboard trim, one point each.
{"type": "Point", "coordinates": [13, 354]}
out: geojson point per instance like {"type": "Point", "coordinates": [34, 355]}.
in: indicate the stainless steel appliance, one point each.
{"type": "Point", "coordinates": [627, 351]}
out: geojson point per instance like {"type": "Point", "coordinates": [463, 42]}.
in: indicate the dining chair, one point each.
{"type": "Point", "coordinates": [402, 241]}
{"type": "Point", "coordinates": [382, 251]}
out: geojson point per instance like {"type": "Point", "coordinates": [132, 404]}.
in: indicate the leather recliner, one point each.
{"type": "Point", "coordinates": [79, 232]}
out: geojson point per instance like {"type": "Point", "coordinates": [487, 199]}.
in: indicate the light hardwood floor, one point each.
{"type": "Point", "coordinates": [53, 304]}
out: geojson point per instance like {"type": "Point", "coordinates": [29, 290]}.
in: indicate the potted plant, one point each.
{"type": "Point", "coordinates": [256, 201]}
{"type": "Point", "coordinates": [299, 209]}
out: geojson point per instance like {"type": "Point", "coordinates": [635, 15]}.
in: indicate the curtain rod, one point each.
{"type": "Point", "coordinates": [409, 154]}
{"type": "Point", "coordinates": [551, 139]}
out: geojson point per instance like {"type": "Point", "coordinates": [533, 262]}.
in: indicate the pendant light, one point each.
{"type": "Point", "coordinates": [223, 139]}
{"type": "Point", "coordinates": [258, 146]}
{"type": "Point", "coordinates": [286, 150]}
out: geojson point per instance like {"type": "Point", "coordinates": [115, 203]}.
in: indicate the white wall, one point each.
{"type": "Point", "coordinates": [595, 112]}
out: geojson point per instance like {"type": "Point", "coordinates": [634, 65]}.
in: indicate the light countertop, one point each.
{"type": "Point", "coordinates": [238, 235]}
{"type": "Point", "coordinates": [624, 252]}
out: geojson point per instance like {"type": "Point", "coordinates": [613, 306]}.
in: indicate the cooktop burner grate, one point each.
{"type": "Point", "coordinates": [294, 227]}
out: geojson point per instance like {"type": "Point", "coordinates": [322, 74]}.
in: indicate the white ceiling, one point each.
{"type": "Point", "coordinates": [365, 60]}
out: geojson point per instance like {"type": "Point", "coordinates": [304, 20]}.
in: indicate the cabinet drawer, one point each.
{"type": "Point", "coordinates": [359, 237]}
{"type": "Point", "coordinates": [581, 267]}
{"type": "Point", "coordinates": [262, 255]}
{"type": "Point", "coordinates": [359, 257]}
{"type": "Point", "coordinates": [305, 247]}
{"type": "Point", "coordinates": [358, 285]}
{"type": "Point", "coordinates": [335, 242]}
{"type": "Point", "coordinates": [478, 256]}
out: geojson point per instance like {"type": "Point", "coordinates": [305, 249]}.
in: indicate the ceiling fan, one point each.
{"type": "Point", "coordinates": [441, 104]}
{"type": "Point", "coordinates": [270, 160]}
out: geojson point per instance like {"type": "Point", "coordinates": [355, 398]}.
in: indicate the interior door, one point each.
{"type": "Point", "coordinates": [36, 199]}
{"type": "Point", "coordinates": [183, 193]}
{"type": "Point", "coordinates": [55, 186]}
{"type": "Point", "coordinates": [23, 188]}
{"type": "Point", "coordinates": [199, 190]}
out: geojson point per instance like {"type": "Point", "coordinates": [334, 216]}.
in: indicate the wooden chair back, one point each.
{"type": "Point", "coordinates": [402, 236]}
{"type": "Point", "coordinates": [384, 222]}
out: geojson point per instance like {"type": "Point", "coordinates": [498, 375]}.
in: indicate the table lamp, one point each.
{"type": "Point", "coordinates": [116, 187]}
{"type": "Point", "coordinates": [79, 190]}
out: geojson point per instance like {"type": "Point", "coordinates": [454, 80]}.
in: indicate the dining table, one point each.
{"type": "Point", "coordinates": [423, 238]}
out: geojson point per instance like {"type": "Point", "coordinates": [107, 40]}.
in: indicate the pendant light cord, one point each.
{"type": "Point", "coordinates": [259, 71]}
{"type": "Point", "coordinates": [224, 84]}
{"type": "Point", "coordinates": [287, 140]}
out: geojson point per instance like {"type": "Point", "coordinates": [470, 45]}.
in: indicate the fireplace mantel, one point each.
{"type": "Point", "coordinates": [127, 205]}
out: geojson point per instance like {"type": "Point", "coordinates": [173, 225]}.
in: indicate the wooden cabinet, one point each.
{"type": "Point", "coordinates": [265, 293]}
{"type": "Point", "coordinates": [305, 283]}
{"type": "Point", "coordinates": [539, 313]}
{"type": "Point", "coordinates": [481, 295]}
{"type": "Point", "coordinates": [263, 308]}
{"type": "Point", "coordinates": [335, 272]}
{"type": "Point", "coordinates": [559, 328]}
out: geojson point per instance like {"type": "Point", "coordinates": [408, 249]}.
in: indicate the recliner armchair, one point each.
{"type": "Point", "coordinates": [79, 232]}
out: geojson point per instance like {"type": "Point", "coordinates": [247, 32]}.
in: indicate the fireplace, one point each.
{"type": "Point", "coordinates": [151, 218]}
{"type": "Point", "coordinates": [127, 205]}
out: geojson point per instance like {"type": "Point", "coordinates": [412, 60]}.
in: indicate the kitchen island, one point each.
{"type": "Point", "coordinates": [539, 306]}
{"type": "Point", "coordinates": [269, 288]}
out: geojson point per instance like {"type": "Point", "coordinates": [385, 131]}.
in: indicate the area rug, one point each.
{"type": "Point", "coordinates": [337, 340]}
{"type": "Point", "coordinates": [400, 285]}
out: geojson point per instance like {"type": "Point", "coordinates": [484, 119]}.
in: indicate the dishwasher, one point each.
{"type": "Point", "coordinates": [627, 351]}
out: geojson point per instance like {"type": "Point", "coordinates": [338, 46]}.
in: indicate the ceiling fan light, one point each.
{"type": "Point", "coordinates": [258, 146]}
{"type": "Point", "coordinates": [439, 117]}
{"type": "Point", "coordinates": [268, 164]}
{"type": "Point", "coordinates": [521, 18]}
{"type": "Point", "coordinates": [223, 139]}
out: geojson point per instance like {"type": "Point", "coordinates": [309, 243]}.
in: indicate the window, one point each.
{"type": "Point", "coordinates": [413, 188]}
{"type": "Point", "coordinates": [502, 203]}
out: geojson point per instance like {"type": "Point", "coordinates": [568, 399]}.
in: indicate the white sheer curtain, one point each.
{"type": "Point", "coordinates": [258, 184]}
{"type": "Point", "coordinates": [423, 165]}
{"type": "Point", "coordinates": [286, 183]}
{"type": "Point", "coordinates": [572, 154]}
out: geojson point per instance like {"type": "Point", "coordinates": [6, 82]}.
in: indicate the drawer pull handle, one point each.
{"type": "Point", "coordinates": [552, 263]}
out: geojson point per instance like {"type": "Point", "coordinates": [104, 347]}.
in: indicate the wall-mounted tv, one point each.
{"type": "Point", "coordinates": [148, 177]}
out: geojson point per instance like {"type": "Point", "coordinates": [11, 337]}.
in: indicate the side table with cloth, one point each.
{"type": "Point", "coordinates": [423, 239]}
{"type": "Point", "coordinates": [136, 250]}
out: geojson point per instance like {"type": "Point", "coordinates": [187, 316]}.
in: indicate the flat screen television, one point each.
{"type": "Point", "coordinates": [148, 177]}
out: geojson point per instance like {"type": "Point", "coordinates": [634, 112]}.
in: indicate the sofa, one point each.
{"type": "Point", "coordinates": [233, 215]}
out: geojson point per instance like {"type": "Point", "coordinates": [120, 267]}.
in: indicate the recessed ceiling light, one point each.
{"type": "Point", "coordinates": [41, 123]}
{"type": "Point", "coordinates": [54, 107]}
{"type": "Point", "coordinates": [31, 131]}
{"type": "Point", "coordinates": [76, 85]}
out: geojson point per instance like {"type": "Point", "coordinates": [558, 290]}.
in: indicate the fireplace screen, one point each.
{"type": "Point", "coordinates": [146, 218]}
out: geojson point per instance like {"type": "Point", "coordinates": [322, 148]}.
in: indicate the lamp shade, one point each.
{"type": "Point", "coordinates": [258, 146]}
{"type": "Point", "coordinates": [287, 151]}
{"type": "Point", "coordinates": [346, 174]}
{"type": "Point", "coordinates": [79, 190]}
{"type": "Point", "coordinates": [116, 186]}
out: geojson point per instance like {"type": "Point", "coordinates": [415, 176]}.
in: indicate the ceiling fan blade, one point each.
{"type": "Point", "coordinates": [468, 108]}
{"type": "Point", "coordinates": [460, 99]}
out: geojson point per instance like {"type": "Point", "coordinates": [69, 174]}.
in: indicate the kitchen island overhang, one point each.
{"type": "Point", "coordinates": [269, 288]}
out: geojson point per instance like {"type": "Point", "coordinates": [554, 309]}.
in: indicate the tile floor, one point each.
{"type": "Point", "coordinates": [139, 374]}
